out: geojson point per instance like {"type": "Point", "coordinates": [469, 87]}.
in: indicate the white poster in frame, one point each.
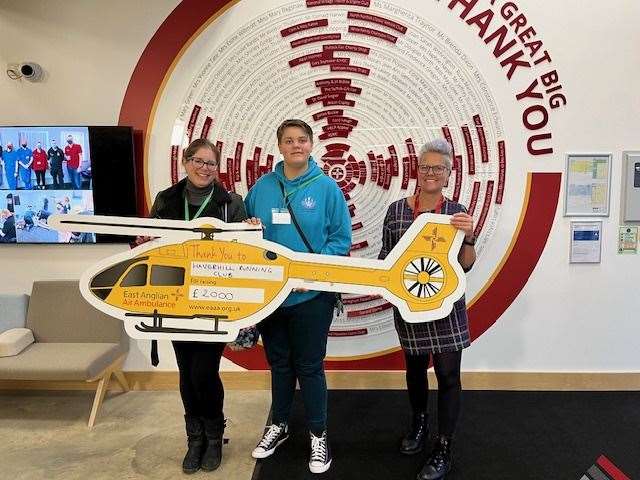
{"type": "Point", "coordinates": [587, 185]}
{"type": "Point", "coordinates": [585, 245]}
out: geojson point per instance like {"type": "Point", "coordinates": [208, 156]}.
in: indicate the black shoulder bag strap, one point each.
{"type": "Point", "coordinates": [339, 305]}
{"type": "Point", "coordinates": [295, 221]}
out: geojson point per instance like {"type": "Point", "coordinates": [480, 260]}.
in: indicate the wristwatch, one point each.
{"type": "Point", "coordinates": [469, 242]}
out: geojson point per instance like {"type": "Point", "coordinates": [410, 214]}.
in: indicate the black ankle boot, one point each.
{"type": "Point", "coordinates": [439, 462]}
{"type": "Point", "coordinates": [195, 443]}
{"type": "Point", "coordinates": [214, 430]}
{"type": "Point", "coordinates": [413, 442]}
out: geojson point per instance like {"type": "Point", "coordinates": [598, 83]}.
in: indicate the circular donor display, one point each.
{"type": "Point", "coordinates": [376, 80]}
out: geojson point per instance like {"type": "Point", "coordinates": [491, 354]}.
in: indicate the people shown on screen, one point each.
{"type": "Point", "coordinates": [443, 339]}
{"type": "Point", "coordinates": [25, 160]}
{"type": "Point", "coordinates": [43, 214]}
{"type": "Point", "coordinates": [63, 237]}
{"type": "Point", "coordinates": [10, 159]}
{"type": "Point", "coordinates": [8, 232]}
{"type": "Point", "coordinates": [73, 157]}
{"type": "Point", "coordinates": [10, 202]}
{"type": "Point", "coordinates": [28, 217]}
{"type": "Point", "coordinates": [66, 204]}
{"type": "Point", "coordinates": [40, 165]}
{"type": "Point", "coordinates": [55, 155]}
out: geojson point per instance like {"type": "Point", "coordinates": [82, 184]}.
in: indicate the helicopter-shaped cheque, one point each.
{"type": "Point", "coordinates": [205, 279]}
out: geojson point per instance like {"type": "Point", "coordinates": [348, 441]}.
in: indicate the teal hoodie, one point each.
{"type": "Point", "coordinates": [319, 207]}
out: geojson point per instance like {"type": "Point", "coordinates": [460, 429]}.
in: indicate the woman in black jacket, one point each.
{"type": "Point", "coordinates": [200, 194]}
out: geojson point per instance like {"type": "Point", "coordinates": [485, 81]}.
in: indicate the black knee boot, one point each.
{"type": "Point", "coordinates": [195, 442]}
{"type": "Point", "coordinates": [413, 442]}
{"type": "Point", "coordinates": [214, 430]}
{"type": "Point", "coordinates": [439, 462]}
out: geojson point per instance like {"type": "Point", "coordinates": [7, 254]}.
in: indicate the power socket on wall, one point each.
{"type": "Point", "coordinates": [28, 70]}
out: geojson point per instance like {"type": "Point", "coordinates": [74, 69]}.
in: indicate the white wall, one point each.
{"type": "Point", "coordinates": [89, 50]}
{"type": "Point", "coordinates": [567, 318]}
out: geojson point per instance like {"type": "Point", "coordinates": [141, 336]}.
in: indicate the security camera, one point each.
{"type": "Point", "coordinates": [31, 71]}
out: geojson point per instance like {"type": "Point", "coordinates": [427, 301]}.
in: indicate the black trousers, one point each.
{"type": "Point", "coordinates": [40, 177]}
{"type": "Point", "coordinates": [200, 385]}
{"type": "Point", "coordinates": [58, 176]}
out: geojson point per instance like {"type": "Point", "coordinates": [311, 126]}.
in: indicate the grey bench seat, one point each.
{"type": "Point", "coordinates": [73, 342]}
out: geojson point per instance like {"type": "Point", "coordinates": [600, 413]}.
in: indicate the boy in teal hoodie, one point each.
{"type": "Point", "coordinates": [295, 335]}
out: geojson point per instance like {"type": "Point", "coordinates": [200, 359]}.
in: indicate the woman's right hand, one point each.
{"type": "Point", "coordinates": [253, 221]}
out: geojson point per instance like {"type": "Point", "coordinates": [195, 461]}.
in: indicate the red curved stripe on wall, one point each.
{"type": "Point", "coordinates": [147, 77]}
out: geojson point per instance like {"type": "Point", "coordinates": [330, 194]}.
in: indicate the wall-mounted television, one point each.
{"type": "Point", "coordinates": [63, 169]}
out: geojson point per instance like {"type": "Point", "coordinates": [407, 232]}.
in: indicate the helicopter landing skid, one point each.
{"type": "Point", "coordinates": [158, 328]}
{"type": "Point", "coordinates": [150, 329]}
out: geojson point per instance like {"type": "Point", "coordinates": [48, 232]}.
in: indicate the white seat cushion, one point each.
{"type": "Point", "coordinates": [15, 340]}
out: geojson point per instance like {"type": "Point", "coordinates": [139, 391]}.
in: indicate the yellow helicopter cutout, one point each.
{"type": "Point", "coordinates": [205, 279]}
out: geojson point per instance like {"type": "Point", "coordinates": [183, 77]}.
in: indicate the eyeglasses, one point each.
{"type": "Point", "coordinates": [436, 169]}
{"type": "Point", "coordinates": [199, 163]}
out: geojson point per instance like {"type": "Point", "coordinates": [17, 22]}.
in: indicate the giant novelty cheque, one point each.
{"type": "Point", "coordinates": [204, 280]}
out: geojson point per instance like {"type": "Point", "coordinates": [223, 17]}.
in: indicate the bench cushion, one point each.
{"type": "Point", "coordinates": [58, 313]}
{"type": "Point", "coordinates": [59, 361]}
{"type": "Point", "coordinates": [13, 311]}
{"type": "Point", "coordinates": [14, 340]}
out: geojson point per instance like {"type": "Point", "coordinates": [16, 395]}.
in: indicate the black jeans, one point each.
{"type": "Point", "coordinates": [57, 175]}
{"type": "Point", "coordinates": [447, 368]}
{"type": "Point", "coordinates": [295, 341]}
{"type": "Point", "coordinates": [40, 177]}
{"type": "Point", "coordinates": [200, 385]}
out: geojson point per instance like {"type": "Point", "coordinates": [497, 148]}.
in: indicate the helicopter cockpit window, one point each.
{"type": "Point", "coordinates": [137, 277]}
{"type": "Point", "coordinates": [167, 276]}
{"type": "Point", "coordinates": [109, 277]}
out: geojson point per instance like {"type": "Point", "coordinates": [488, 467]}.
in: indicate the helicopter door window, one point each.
{"type": "Point", "coordinates": [167, 276]}
{"type": "Point", "coordinates": [109, 277]}
{"type": "Point", "coordinates": [137, 277]}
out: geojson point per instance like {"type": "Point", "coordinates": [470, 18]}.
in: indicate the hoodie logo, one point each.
{"type": "Point", "coordinates": [309, 203]}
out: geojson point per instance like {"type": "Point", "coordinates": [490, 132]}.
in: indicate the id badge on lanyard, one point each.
{"type": "Point", "coordinates": [280, 216]}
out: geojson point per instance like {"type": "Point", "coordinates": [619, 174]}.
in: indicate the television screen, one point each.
{"type": "Point", "coordinates": [47, 170]}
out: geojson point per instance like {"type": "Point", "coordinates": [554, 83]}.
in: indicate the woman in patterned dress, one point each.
{"type": "Point", "coordinates": [442, 339]}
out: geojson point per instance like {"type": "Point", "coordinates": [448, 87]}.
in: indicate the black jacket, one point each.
{"type": "Point", "coordinates": [169, 204]}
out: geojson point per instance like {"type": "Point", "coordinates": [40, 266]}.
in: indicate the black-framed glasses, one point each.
{"type": "Point", "coordinates": [436, 169]}
{"type": "Point", "coordinates": [199, 163]}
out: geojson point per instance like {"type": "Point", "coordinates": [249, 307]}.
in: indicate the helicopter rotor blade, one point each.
{"type": "Point", "coordinates": [151, 227]}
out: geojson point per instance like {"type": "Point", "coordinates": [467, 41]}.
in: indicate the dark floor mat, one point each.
{"type": "Point", "coordinates": [501, 435]}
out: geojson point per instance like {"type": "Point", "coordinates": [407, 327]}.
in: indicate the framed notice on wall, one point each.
{"type": "Point", "coordinates": [586, 242]}
{"type": "Point", "coordinates": [587, 184]}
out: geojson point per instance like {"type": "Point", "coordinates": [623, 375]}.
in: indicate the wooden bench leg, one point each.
{"type": "Point", "coordinates": [103, 386]}
{"type": "Point", "coordinates": [122, 380]}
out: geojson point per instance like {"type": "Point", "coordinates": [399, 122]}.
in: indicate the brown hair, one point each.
{"type": "Point", "coordinates": [196, 145]}
{"type": "Point", "coordinates": [294, 122]}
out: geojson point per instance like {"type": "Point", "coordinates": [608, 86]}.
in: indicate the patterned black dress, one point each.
{"type": "Point", "coordinates": [448, 334]}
